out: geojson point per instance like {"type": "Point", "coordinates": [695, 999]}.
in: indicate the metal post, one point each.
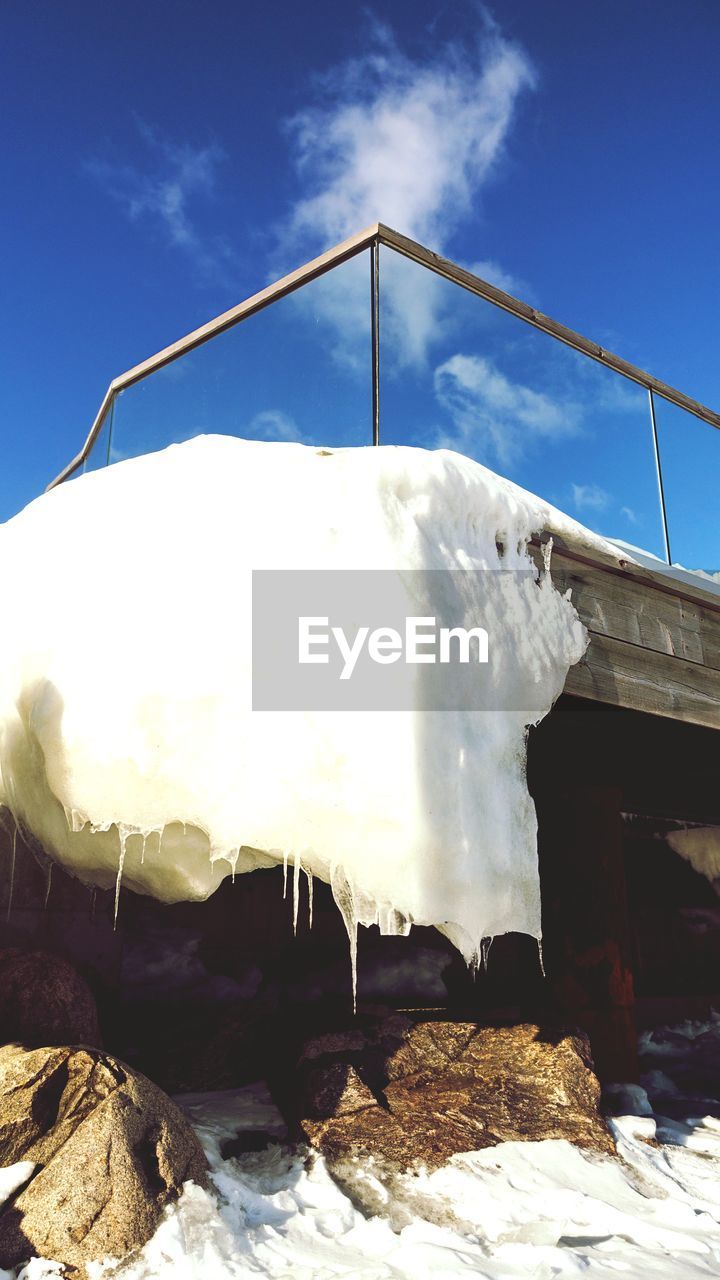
{"type": "Point", "coordinates": [375, 336]}
{"type": "Point", "coordinates": [111, 424]}
{"type": "Point", "coordinates": [658, 469]}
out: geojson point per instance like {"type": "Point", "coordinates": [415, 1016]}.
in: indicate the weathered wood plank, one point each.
{"type": "Point", "coordinates": [689, 587]}
{"type": "Point", "coordinates": [638, 613]}
{"type": "Point", "coordinates": [627, 675]}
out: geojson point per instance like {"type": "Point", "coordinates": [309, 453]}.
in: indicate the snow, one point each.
{"type": "Point", "coordinates": [544, 1209]}
{"type": "Point", "coordinates": [541, 1209]}
{"type": "Point", "coordinates": [12, 1177]}
{"type": "Point", "coordinates": [128, 746]}
{"type": "Point", "coordinates": [708, 581]}
{"type": "Point", "coordinates": [700, 846]}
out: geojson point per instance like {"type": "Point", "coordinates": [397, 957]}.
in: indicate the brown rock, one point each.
{"type": "Point", "coordinates": [418, 1092]}
{"type": "Point", "coordinates": [44, 1001]}
{"type": "Point", "coordinates": [111, 1152]}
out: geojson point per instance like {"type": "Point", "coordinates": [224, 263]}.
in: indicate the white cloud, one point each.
{"type": "Point", "coordinates": [590, 497]}
{"type": "Point", "coordinates": [162, 193]}
{"type": "Point", "coordinates": [494, 417]}
{"type": "Point", "coordinates": [274, 424]}
{"type": "Point", "coordinates": [629, 514]}
{"type": "Point", "coordinates": [407, 142]}
{"type": "Point", "coordinates": [412, 143]}
{"type": "Point", "coordinates": [491, 271]}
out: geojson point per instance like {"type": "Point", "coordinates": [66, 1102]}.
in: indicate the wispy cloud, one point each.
{"type": "Point", "coordinates": [406, 141]}
{"type": "Point", "coordinates": [274, 424]}
{"type": "Point", "coordinates": [493, 416]}
{"type": "Point", "coordinates": [164, 191]}
{"type": "Point", "coordinates": [410, 141]}
{"type": "Point", "coordinates": [491, 271]}
{"type": "Point", "coordinates": [590, 497]}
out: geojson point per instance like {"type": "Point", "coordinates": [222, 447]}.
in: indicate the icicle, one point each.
{"type": "Point", "coordinates": [74, 819]}
{"type": "Point", "coordinates": [310, 897]}
{"type": "Point", "coordinates": [48, 885]}
{"type": "Point", "coordinates": [352, 934]}
{"type": "Point", "coordinates": [122, 833]}
{"type": "Point", "coordinates": [285, 867]}
{"type": "Point", "coordinates": [142, 851]}
{"type": "Point", "coordinates": [540, 958]}
{"type": "Point", "coordinates": [343, 894]}
{"type": "Point", "coordinates": [485, 946]}
{"type": "Point", "coordinates": [297, 867]}
{"type": "Point", "coordinates": [93, 904]}
{"type": "Point", "coordinates": [12, 871]}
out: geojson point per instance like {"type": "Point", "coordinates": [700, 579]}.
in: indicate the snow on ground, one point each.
{"type": "Point", "coordinates": [542, 1210]}
{"type": "Point", "coordinates": [128, 745]}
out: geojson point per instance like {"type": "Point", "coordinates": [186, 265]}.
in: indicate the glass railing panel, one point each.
{"type": "Point", "coordinates": [690, 460]}
{"type": "Point", "coordinates": [458, 372]}
{"type": "Point", "coordinates": [99, 454]}
{"type": "Point", "coordinates": [299, 370]}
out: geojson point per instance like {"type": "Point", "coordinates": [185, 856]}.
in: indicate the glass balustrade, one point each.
{"type": "Point", "coordinates": [454, 371]}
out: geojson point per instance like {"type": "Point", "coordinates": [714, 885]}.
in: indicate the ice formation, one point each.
{"type": "Point", "coordinates": [128, 745]}
{"type": "Point", "coordinates": [700, 846]}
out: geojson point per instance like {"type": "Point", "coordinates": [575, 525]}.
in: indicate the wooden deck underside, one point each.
{"type": "Point", "coordinates": [654, 640]}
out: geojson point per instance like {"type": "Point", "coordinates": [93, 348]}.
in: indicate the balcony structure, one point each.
{"type": "Point", "coordinates": [381, 341]}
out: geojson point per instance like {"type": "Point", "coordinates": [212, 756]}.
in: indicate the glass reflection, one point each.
{"type": "Point", "coordinates": [690, 459]}
{"type": "Point", "coordinates": [99, 454]}
{"type": "Point", "coordinates": [299, 370]}
{"type": "Point", "coordinates": [459, 373]}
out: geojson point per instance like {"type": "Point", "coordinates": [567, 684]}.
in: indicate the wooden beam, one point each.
{"type": "Point", "coordinates": [640, 612]}
{"type": "Point", "coordinates": [654, 640]}
{"type": "Point", "coordinates": [628, 675]}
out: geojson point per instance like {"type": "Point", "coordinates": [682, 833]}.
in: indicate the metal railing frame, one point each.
{"type": "Point", "coordinates": [372, 238]}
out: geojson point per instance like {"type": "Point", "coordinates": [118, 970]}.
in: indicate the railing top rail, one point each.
{"type": "Point", "coordinates": [379, 233]}
{"type": "Point", "coordinates": [491, 293]}
{"type": "Point", "coordinates": [219, 324]}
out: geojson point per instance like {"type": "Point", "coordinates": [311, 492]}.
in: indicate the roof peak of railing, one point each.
{"type": "Point", "coordinates": [380, 232]}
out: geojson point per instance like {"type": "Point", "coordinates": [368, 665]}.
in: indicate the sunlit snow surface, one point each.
{"type": "Point", "coordinates": [700, 846]}
{"type": "Point", "coordinates": [540, 1210]}
{"type": "Point", "coordinates": [128, 743]}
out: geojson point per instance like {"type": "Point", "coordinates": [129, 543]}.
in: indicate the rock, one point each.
{"type": "Point", "coordinates": [44, 1001]}
{"type": "Point", "coordinates": [110, 1152]}
{"type": "Point", "coordinates": [415, 1092]}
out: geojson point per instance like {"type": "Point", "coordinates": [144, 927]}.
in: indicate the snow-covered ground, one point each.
{"type": "Point", "coordinates": [540, 1210]}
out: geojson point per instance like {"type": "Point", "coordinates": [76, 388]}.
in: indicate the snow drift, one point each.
{"type": "Point", "coordinates": [128, 745]}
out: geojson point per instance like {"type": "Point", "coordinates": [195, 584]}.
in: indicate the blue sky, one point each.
{"type": "Point", "coordinates": [164, 159]}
